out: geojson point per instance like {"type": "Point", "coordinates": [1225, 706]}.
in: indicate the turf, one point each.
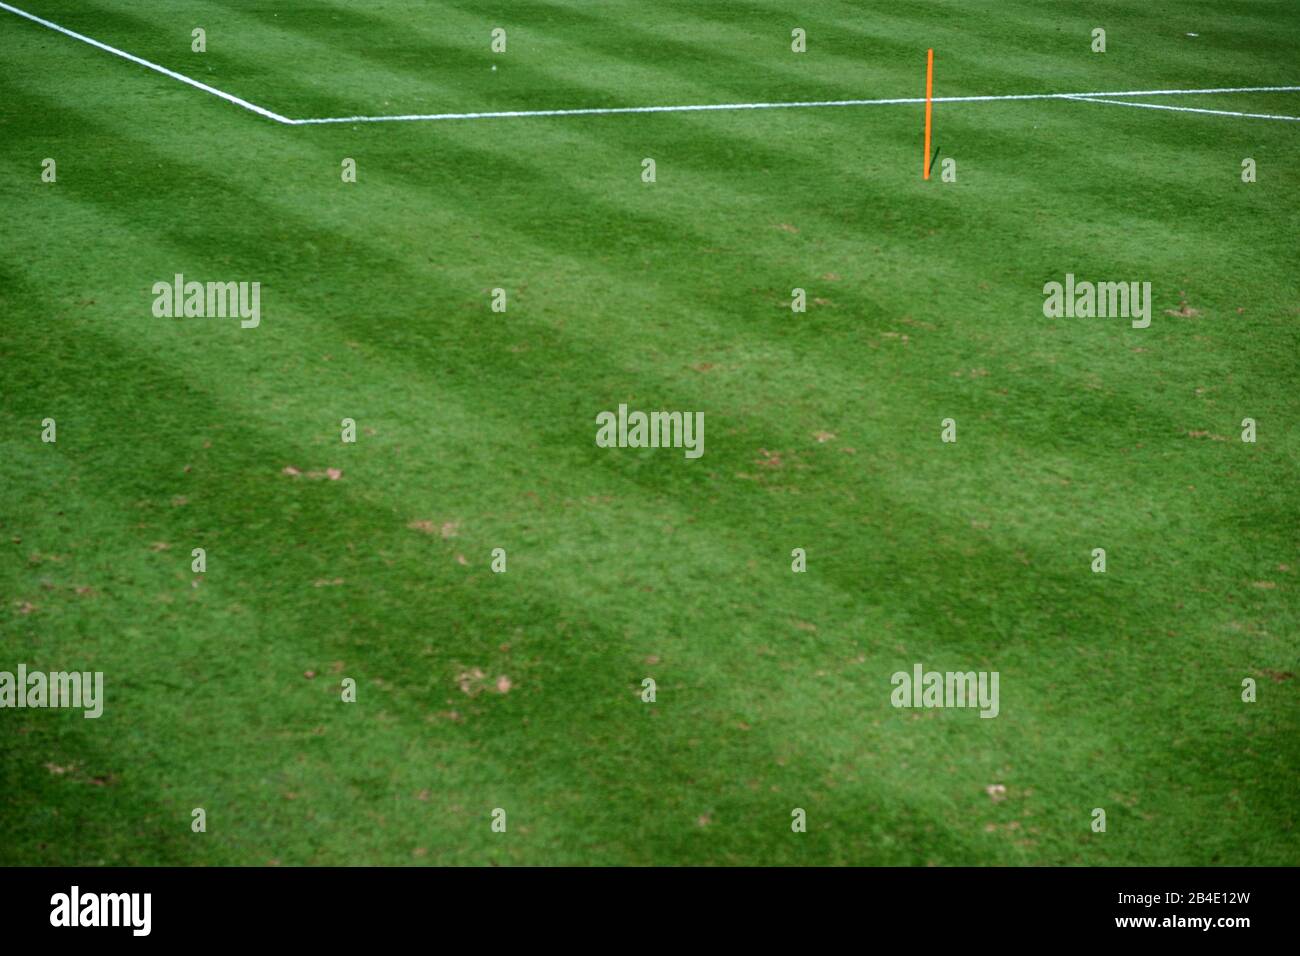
{"type": "Point", "coordinates": [1119, 691]}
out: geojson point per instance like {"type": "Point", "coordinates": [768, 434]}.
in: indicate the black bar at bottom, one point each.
{"type": "Point", "coordinates": [304, 905]}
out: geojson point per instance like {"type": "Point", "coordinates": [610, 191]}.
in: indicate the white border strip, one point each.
{"type": "Point", "coordinates": [700, 108]}
{"type": "Point", "coordinates": [153, 66]}
{"type": "Point", "coordinates": [1186, 109]}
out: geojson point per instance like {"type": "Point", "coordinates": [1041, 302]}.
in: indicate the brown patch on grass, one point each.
{"type": "Point", "coordinates": [472, 682]}
{"type": "Point", "coordinates": [1184, 311]}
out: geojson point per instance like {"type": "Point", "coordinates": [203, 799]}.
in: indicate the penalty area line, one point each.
{"type": "Point", "coordinates": [1185, 109]}
{"type": "Point", "coordinates": [181, 77]}
{"type": "Point", "coordinates": [804, 104]}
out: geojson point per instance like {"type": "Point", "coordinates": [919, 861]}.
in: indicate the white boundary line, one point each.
{"type": "Point", "coordinates": [709, 107]}
{"type": "Point", "coordinates": [700, 108]}
{"type": "Point", "coordinates": [1185, 109]}
{"type": "Point", "coordinates": [153, 66]}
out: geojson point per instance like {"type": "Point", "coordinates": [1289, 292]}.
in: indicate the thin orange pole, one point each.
{"type": "Point", "coordinates": [929, 93]}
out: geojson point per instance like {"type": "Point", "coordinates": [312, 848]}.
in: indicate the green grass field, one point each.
{"type": "Point", "coordinates": [475, 431]}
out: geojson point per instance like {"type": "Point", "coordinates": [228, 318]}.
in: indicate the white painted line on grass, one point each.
{"type": "Point", "coordinates": [153, 66]}
{"type": "Point", "coordinates": [708, 107]}
{"type": "Point", "coordinates": [698, 108]}
{"type": "Point", "coordinates": [1186, 109]}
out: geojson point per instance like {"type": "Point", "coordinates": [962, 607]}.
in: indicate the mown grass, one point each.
{"type": "Point", "coordinates": [1119, 691]}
